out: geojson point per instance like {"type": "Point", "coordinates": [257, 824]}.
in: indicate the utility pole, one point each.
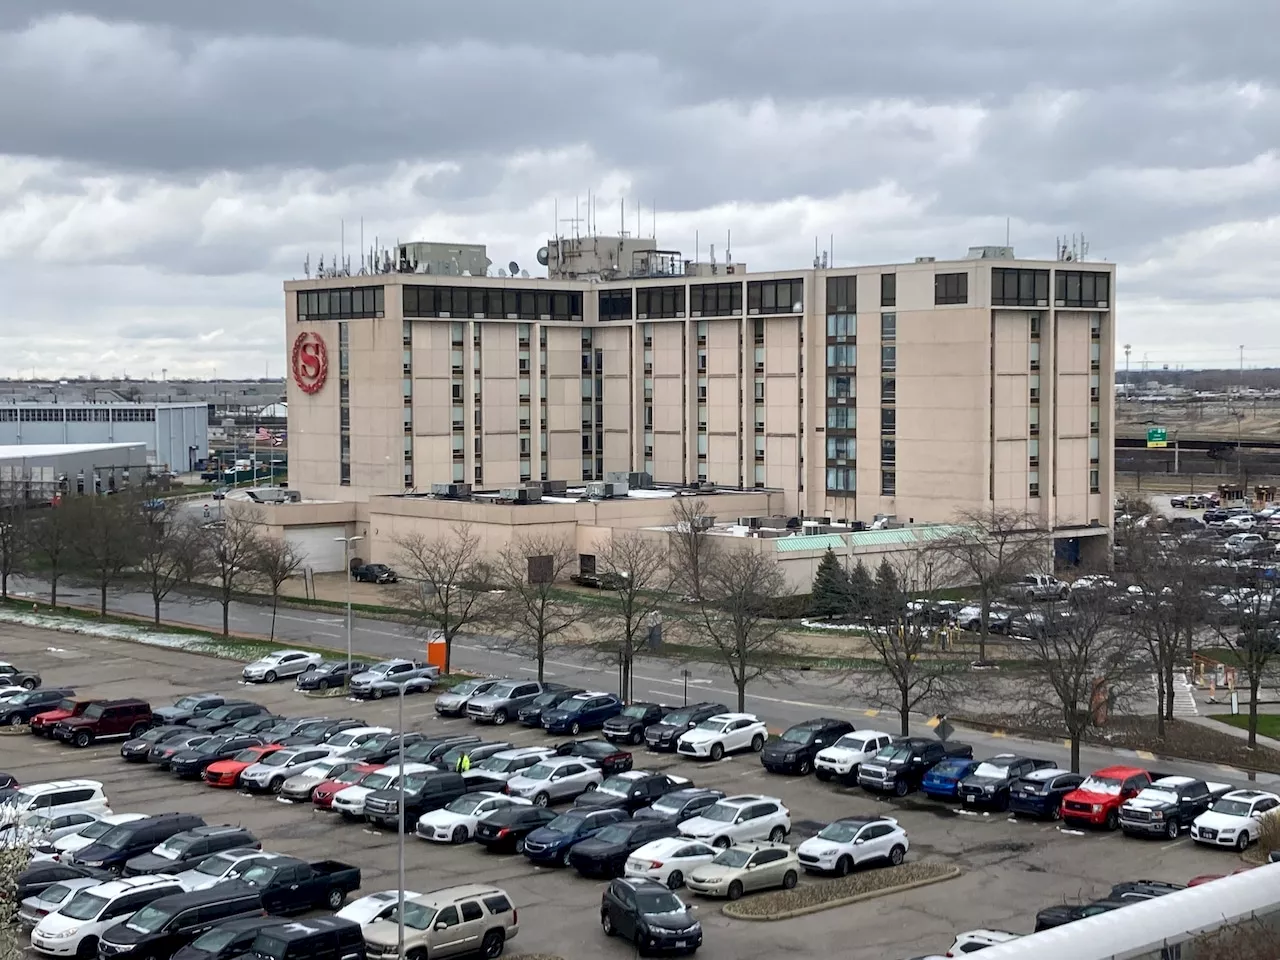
{"type": "Point", "coordinates": [346, 563]}
{"type": "Point", "coordinates": [1127, 347]}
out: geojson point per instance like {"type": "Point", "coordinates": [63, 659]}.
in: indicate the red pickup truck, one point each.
{"type": "Point", "coordinates": [1096, 802]}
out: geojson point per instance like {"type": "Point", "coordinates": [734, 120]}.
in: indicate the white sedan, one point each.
{"type": "Point", "coordinates": [376, 906]}
{"type": "Point", "coordinates": [851, 842]}
{"type": "Point", "coordinates": [669, 860]}
{"type": "Point", "coordinates": [724, 733]}
{"type": "Point", "coordinates": [345, 741]}
{"type": "Point", "coordinates": [456, 823]}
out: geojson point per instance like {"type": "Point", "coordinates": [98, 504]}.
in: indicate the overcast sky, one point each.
{"type": "Point", "coordinates": [165, 166]}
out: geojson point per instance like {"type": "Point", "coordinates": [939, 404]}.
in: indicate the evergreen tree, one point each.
{"type": "Point", "coordinates": [887, 592]}
{"type": "Point", "coordinates": [861, 592]}
{"type": "Point", "coordinates": [831, 597]}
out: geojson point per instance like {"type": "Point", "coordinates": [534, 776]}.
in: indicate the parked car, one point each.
{"type": "Point", "coordinates": [901, 767]}
{"type": "Point", "coordinates": [159, 929]}
{"type": "Point", "coordinates": [1235, 819]}
{"type": "Point", "coordinates": [851, 842]}
{"type": "Point", "coordinates": [54, 797]}
{"type": "Point", "coordinates": [606, 756]}
{"type": "Point", "coordinates": [631, 790]}
{"type": "Point", "coordinates": [42, 830]}
{"type": "Point", "coordinates": [493, 772]}
{"type": "Point", "coordinates": [270, 773]}
{"type": "Point", "coordinates": [375, 906]}
{"type": "Point", "coordinates": [191, 763]}
{"type": "Point", "coordinates": [231, 938]}
{"type": "Point", "coordinates": [281, 663]}
{"type": "Point", "coordinates": [22, 707]}
{"type": "Point", "coordinates": [1039, 793]}
{"type": "Point", "coordinates": [385, 747]}
{"type": "Point", "coordinates": [797, 748]}
{"type": "Point", "coordinates": [105, 719]}
{"type": "Point", "coordinates": [298, 787]}
{"type": "Point", "coordinates": [841, 760]}
{"type": "Point", "coordinates": [374, 573]}
{"type": "Point", "coordinates": [664, 734]}
{"type": "Point", "coordinates": [991, 780]}
{"type": "Point", "coordinates": [724, 733]}
{"type": "Point", "coordinates": [51, 899]}
{"type": "Point", "coordinates": [682, 804]}
{"type": "Point", "coordinates": [324, 792]}
{"type": "Point", "coordinates": [555, 779]}
{"type": "Point", "coordinates": [254, 723]}
{"type": "Point", "coordinates": [739, 819]}
{"type": "Point", "coordinates": [503, 701]}
{"type": "Point", "coordinates": [346, 741]}
{"type": "Point", "coordinates": [220, 867]}
{"type": "Point", "coordinates": [668, 860]}
{"type": "Point", "coordinates": [1168, 805]}
{"type": "Point", "coordinates": [456, 821]}
{"type": "Point", "coordinates": [65, 846]}
{"type": "Point", "coordinates": [226, 773]}
{"type": "Point", "coordinates": [41, 875]}
{"type": "Point", "coordinates": [1038, 586]}
{"type": "Point", "coordinates": [942, 782]}
{"type": "Point", "coordinates": [1063, 913]}
{"type": "Point", "coordinates": [349, 802]}
{"type": "Point", "coordinates": [117, 846]}
{"type": "Point", "coordinates": [423, 792]}
{"type": "Point", "coordinates": [222, 719]}
{"type": "Point", "coordinates": [17, 677]}
{"type": "Point", "coordinates": [289, 885]}
{"type": "Point", "coordinates": [318, 732]}
{"type": "Point", "coordinates": [629, 725]}
{"type": "Point", "coordinates": [586, 711]}
{"type": "Point", "coordinates": [454, 702]}
{"type": "Point", "coordinates": [530, 715]}
{"type": "Point", "coordinates": [330, 673]}
{"type": "Point", "coordinates": [1096, 802]}
{"type": "Point", "coordinates": [138, 749]}
{"type": "Point", "coordinates": [504, 830]}
{"type": "Point", "coordinates": [746, 867]}
{"type": "Point", "coordinates": [389, 677]}
{"type": "Point", "coordinates": [606, 854]}
{"type": "Point", "coordinates": [551, 844]}
{"type": "Point", "coordinates": [75, 928]}
{"type": "Point", "coordinates": [187, 708]}
{"type": "Point", "coordinates": [188, 848]}
{"type": "Point", "coordinates": [474, 751]}
{"type": "Point", "coordinates": [163, 751]}
{"type": "Point", "coordinates": [41, 724]}
{"type": "Point", "coordinates": [649, 915]}
{"type": "Point", "coordinates": [478, 915]}
{"type": "Point", "coordinates": [433, 749]}
{"type": "Point", "coordinates": [972, 940]}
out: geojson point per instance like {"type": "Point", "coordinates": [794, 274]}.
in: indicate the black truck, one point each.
{"type": "Point", "coordinates": [900, 767]}
{"type": "Point", "coordinates": [290, 885]}
{"type": "Point", "coordinates": [991, 781]}
{"type": "Point", "coordinates": [1168, 806]}
{"type": "Point", "coordinates": [423, 792]}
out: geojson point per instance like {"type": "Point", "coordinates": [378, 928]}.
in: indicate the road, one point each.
{"type": "Point", "coordinates": [780, 701]}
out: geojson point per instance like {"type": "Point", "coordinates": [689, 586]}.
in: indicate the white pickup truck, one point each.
{"type": "Point", "coordinates": [1038, 586]}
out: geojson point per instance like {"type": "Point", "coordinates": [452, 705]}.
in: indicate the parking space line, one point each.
{"type": "Point", "coordinates": [1145, 755]}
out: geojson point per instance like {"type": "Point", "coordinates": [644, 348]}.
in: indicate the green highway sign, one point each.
{"type": "Point", "coordinates": [1157, 437]}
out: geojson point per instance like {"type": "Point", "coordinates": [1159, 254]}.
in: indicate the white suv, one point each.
{"type": "Point", "coordinates": [74, 929]}
{"type": "Point", "coordinates": [972, 941]}
{"type": "Point", "coordinates": [1235, 819]}
{"type": "Point", "coordinates": [841, 760]}
{"type": "Point", "coordinates": [739, 819]}
{"type": "Point", "coordinates": [848, 843]}
{"type": "Point", "coordinates": [724, 733]}
{"type": "Point", "coordinates": [54, 798]}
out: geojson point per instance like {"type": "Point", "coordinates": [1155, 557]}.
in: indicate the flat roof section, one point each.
{"type": "Point", "coordinates": [33, 451]}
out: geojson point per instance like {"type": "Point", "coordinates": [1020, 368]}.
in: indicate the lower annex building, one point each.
{"type": "Point", "coordinates": [918, 390]}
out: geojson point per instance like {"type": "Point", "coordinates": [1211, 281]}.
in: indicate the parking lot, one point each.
{"type": "Point", "coordinates": [1011, 869]}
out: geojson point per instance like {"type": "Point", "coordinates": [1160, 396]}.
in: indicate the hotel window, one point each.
{"type": "Point", "coordinates": [615, 305]}
{"type": "Point", "coordinates": [406, 333]}
{"type": "Point", "coordinates": [1093, 449]}
{"type": "Point", "coordinates": [888, 327]}
{"type": "Point", "coordinates": [759, 449]}
{"type": "Point", "coordinates": [888, 453]}
{"type": "Point", "coordinates": [757, 332]}
{"type": "Point", "coordinates": [659, 303]}
{"type": "Point", "coordinates": [1034, 320]}
{"type": "Point", "coordinates": [888, 359]}
{"type": "Point", "coordinates": [775, 296]}
{"type": "Point", "coordinates": [702, 333]}
{"type": "Point", "coordinates": [842, 355]}
{"type": "Point", "coordinates": [456, 336]}
{"type": "Point", "coordinates": [1033, 422]}
{"type": "Point", "coordinates": [1033, 355]}
{"type": "Point", "coordinates": [842, 325]}
{"type": "Point", "coordinates": [1019, 288]}
{"type": "Point", "coordinates": [842, 448]}
{"type": "Point", "coordinates": [1034, 381]}
{"type": "Point", "coordinates": [888, 289]}
{"type": "Point", "coordinates": [1095, 355]}
{"type": "Point", "coordinates": [842, 294]}
{"type": "Point", "coordinates": [1078, 288]}
{"type": "Point", "coordinates": [1093, 418]}
{"type": "Point", "coordinates": [842, 418]}
{"type": "Point", "coordinates": [715, 299]}
{"type": "Point", "coordinates": [841, 479]}
{"type": "Point", "coordinates": [888, 483]}
{"type": "Point", "coordinates": [1033, 453]}
{"type": "Point", "coordinates": [1033, 483]}
{"type": "Point", "coordinates": [1095, 326]}
{"type": "Point", "coordinates": [950, 288]}
{"type": "Point", "coordinates": [1094, 386]}
{"type": "Point", "coordinates": [344, 303]}
{"type": "Point", "coordinates": [841, 386]}
{"type": "Point", "coordinates": [888, 389]}
{"type": "Point", "coordinates": [888, 421]}
{"type": "Point", "coordinates": [1094, 481]}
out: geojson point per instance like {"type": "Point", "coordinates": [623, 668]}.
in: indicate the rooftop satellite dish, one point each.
{"type": "Point", "coordinates": [544, 255]}
{"type": "Point", "coordinates": [513, 267]}
{"type": "Point", "coordinates": [524, 274]}
{"type": "Point", "coordinates": [502, 273]}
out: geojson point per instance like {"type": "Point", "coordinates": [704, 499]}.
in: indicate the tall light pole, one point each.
{"type": "Point", "coordinates": [400, 836]}
{"type": "Point", "coordinates": [1127, 348]}
{"type": "Point", "coordinates": [346, 566]}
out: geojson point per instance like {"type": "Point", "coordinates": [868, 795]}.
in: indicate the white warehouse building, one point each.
{"type": "Point", "coordinates": [176, 434]}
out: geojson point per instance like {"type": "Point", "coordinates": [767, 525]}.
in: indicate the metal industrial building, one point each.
{"type": "Point", "coordinates": [37, 472]}
{"type": "Point", "coordinates": [176, 435]}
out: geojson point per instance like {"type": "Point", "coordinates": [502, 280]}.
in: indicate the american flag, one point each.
{"type": "Point", "coordinates": [263, 435]}
{"type": "Point", "coordinates": [277, 440]}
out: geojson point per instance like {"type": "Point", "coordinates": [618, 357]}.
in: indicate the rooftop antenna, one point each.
{"type": "Point", "coordinates": [622, 217]}
{"type": "Point", "coordinates": [362, 261]}
{"type": "Point", "coordinates": [816, 259]}
{"type": "Point", "coordinates": [728, 246]}
{"type": "Point", "coordinates": [654, 235]}
{"type": "Point", "coordinates": [306, 267]}
{"type": "Point", "coordinates": [697, 249]}
{"type": "Point", "coordinates": [831, 248]}
{"type": "Point", "coordinates": [342, 240]}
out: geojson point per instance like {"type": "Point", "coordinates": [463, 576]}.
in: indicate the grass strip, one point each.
{"type": "Point", "coordinates": [839, 892]}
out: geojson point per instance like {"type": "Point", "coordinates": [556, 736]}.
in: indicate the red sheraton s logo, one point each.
{"type": "Point", "coordinates": [310, 362]}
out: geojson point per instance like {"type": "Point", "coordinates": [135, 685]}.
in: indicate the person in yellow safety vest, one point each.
{"type": "Point", "coordinates": [463, 764]}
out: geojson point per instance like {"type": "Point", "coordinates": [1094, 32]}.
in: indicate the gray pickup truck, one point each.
{"type": "Point", "coordinates": [385, 679]}
{"type": "Point", "coordinates": [503, 701]}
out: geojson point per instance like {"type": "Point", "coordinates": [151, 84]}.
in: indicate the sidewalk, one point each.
{"type": "Point", "coordinates": [1208, 722]}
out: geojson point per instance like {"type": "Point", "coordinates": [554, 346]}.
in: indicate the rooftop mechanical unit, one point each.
{"type": "Point", "coordinates": [451, 491]}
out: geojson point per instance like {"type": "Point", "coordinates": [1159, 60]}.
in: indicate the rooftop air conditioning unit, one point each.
{"type": "Point", "coordinates": [773, 523]}
{"type": "Point", "coordinates": [926, 259]}
{"type": "Point", "coordinates": [514, 494]}
{"type": "Point", "coordinates": [599, 490]}
{"type": "Point", "coordinates": [616, 476]}
{"type": "Point", "coordinates": [750, 522]}
{"type": "Point", "coordinates": [639, 480]}
{"type": "Point", "coordinates": [451, 491]}
{"type": "Point", "coordinates": [703, 523]}
{"type": "Point", "coordinates": [555, 488]}
{"type": "Point", "coordinates": [534, 490]}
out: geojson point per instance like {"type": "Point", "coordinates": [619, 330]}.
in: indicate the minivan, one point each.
{"type": "Point", "coordinates": [127, 840]}
{"type": "Point", "coordinates": [170, 923]}
{"type": "Point", "coordinates": [317, 938]}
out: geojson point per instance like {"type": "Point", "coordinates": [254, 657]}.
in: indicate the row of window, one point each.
{"type": "Point", "coordinates": [493, 303]}
{"type": "Point", "coordinates": [775, 296]}
{"type": "Point", "coordinates": [344, 303]}
{"type": "Point", "coordinates": [614, 304]}
{"type": "Point", "coordinates": [950, 288]}
{"type": "Point", "coordinates": [842, 292]}
{"type": "Point", "coordinates": [1081, 288]}
{"type": "Point", "coordinates": [715, 299]}
{"type": "Point", "coordinates": [659, 303]}
{"type": "Point", "coordinates": [1019, 288]}
{"type": "Point", "coordinates": [62, 414]}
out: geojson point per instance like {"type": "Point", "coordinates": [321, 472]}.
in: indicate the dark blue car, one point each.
{"type": "Point", "coordinates": [1039, 794]}
{"type": "Point", "coordinates": [551, 844]}
{"type": "Point", "coordinates": [585, 711]}
{"type": "Point", "coordinates": [943, 781]}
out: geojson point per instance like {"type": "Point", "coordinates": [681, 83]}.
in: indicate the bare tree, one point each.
{"type": "Point", "coordinates": [445, 583]}
{"type": "Point", "coordinates": [909, 675]}
{"type": "Point", "coordinates": [50, 538]}
{"type": "Point", "coordinates": [739, 588]}
{"type": "Point", "coordinates": [13, 543]}
{"type": "Point", "coordinates": [229, 549]}
{"type": "Point", "coordinates": [527, 571]}
{"type": "Point", "coordinates": [691, 546]}
{"type": "Point", "coordinates": [989, 550]}
{"type": "Point", "coordinates": [274, 561]}
{"type": "Point", "coordinates": [634, 569]}
{"type": "Point", "coordinates": [1250, 939]}
{"type": "Point", "coordinates": [104, 538]}
{"type": "Point", "coordinates": [1245, 625]}
{"type": "Point", "coordinates": [168, 555]}
{"type": "Point", "coordinates": [1082, 668]}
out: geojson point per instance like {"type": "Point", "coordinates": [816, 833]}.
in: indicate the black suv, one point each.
{"type": "Point", "coordinates": [188, 708]}
{"type": "Point", "coordinates": [531, 713]}
{"type": "Point", "coordinates": [605, 854]}
{"type": "Point", "coordinates": [188, 848]}
{"type": "Point", "coordinates": [646, 912]}
{"type": "Point", "coordinates": [431, 749]}
{"type": "Point", "coordinates": [629, 726]}
{"type": "Point", "coordinates": [664, 734]}
{"type": "Point", "coordinates": [429, 790]}
{"type": "Point", "coordinates": [630, 791]}
{"type": "Point", "coordinates": [165, 925]}
{"type": "Point", "coordinates": [190, 764]}
{"type": "Point", "coordinates": [228, 939]}
{"type": "Point", "coordinates": [383, 747]}
{"type": "Point", "coordinates": [318, 731]}
{"type": "Point", "coordinates": [127, 840]}
{"type": "Point", "coordinates": [900, 767]}
{"type": "Point", "coordinates": [990, 782]}
{"type": "Point", "coordinates": [793, 752]}
{"type": "Point", "coordinates": [227, 715]}
{"type": "Point", "coordinates": [683, 804]}
{"type": "Point", "coordinates": [21, 707]}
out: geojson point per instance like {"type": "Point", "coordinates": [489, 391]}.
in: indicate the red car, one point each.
{"type": "Point", "coordinates": [1206, 877]}
{"type": "Point", "coordinates": [226, 773]}
{"type": "Point", "coordinates": [1096, 802]}
{"type": "Point", "coordinates": [322, 795]}
{"type": "Point", "coordinates": [42, 723]}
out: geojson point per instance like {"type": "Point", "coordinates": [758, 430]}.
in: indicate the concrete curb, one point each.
{"type": "Point", "coordinates": [951, 874]}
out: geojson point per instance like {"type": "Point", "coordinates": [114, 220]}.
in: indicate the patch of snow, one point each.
{"type": "Point", "coordinates": [112, 631]}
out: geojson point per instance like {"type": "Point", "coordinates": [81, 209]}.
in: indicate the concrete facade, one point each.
{"type": "Point", "coordinates": [919, 390]}
{"type": "Point", "coordinates": [176, 434]}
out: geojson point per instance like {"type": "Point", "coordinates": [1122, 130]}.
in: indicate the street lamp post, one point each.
{"type": "Point", "coordinates": [400, 835]}
{"type": "Point", "coordinates": [346, 565]}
